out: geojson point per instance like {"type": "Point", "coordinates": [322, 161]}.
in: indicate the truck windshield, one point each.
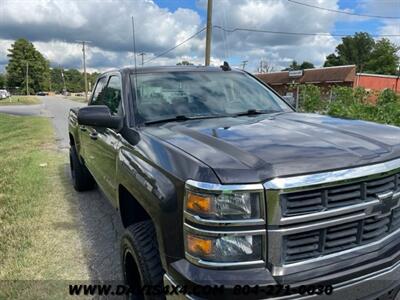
{"type": "Point", "coordinates": [186, 95]}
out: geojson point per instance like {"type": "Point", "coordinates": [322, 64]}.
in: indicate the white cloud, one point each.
{"type": "Point", "coordinates": [55, 25]}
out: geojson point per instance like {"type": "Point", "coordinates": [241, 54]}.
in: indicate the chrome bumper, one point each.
{"type": "Point", "coordinates": [371, 286]}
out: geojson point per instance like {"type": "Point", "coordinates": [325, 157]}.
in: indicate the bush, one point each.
{"type": "Point", "coordinates": [387, 96]}
{"type": "Point", "coordinates": [311, 99]}
{"type": "Point", "coordinates": [352, 104]}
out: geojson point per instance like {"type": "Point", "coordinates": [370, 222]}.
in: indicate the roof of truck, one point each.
{"type": "Point", "coordinates": [131, 69]}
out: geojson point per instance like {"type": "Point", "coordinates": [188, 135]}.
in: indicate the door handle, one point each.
{"type": "Point", "coordinates": [93, 135]}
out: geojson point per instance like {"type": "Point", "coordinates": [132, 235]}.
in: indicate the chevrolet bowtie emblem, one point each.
{"type": "Point", "coordinates": [387, 202]}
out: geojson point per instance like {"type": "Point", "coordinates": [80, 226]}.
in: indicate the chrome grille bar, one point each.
{"type": "Point", "coordinates": [347, 212]}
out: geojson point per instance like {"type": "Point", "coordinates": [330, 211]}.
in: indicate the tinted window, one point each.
{"type": "Point", "coordinates": [97, 92]}
{"type": "Point", "coordinates": [113, 94]}
{"type": "Point", "coordinates": [166, 95]}
{"type": "Point", "coordinates": [109, 95]}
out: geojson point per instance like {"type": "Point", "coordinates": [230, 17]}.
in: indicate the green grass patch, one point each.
{"type": "Point", "coordinates": [34, 191]}
{"type": "Point", "coordinates": [24, 147]}
{"type": "Point", "coordinates": [20, 100]}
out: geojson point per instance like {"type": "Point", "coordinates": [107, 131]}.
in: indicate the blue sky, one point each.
{"type": "Point", "coordinates": [54, 25]}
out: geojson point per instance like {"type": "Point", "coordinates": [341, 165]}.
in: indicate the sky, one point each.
{"type": "Point", "coordinates": [55, 26]}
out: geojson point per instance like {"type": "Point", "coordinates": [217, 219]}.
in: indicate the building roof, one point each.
{"type": "Point", "coordinates": [321, 75]}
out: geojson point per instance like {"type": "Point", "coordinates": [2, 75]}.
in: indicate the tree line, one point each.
{"type": "Point", "coordinates": [369, 56]}
{"type": "Point", "coordinates": [26, 63]}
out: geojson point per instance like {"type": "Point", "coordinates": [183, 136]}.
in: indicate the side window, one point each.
{"type": "Point", "coordinates": [113, 94]}
{"type": "Point", "coordinates": [98, 92]}
{"type": "Point", "coordinates": [108, 93]}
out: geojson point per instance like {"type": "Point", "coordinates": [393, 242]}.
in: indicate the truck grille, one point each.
{"type": "Point", "coordinates": [335, 197]}
{"type": "Point", "coordinates": [334, 239]}
{"type": "Point", "coordinates": [315, 220]}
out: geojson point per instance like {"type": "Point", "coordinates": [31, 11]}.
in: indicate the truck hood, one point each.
{"type": "Point", "coordinates": [256, 148]}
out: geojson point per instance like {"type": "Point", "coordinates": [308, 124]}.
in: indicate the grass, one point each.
{"type": "Point", "coordinates": [20, 100]}
{"type": "Point", "coordinates": [38, 240]}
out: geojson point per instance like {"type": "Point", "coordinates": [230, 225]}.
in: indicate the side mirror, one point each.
{"type": "Point", "coordinates": [98, 116]}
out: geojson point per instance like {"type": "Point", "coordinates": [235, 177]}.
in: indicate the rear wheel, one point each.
{"type": "Point", "coordinates": [141, 264]}
{"type": "Point", "coordinates": [81, 177]}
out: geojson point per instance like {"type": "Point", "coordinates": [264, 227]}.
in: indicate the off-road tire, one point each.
{"type": "Point", "coordinates": [81, 177]}
{"type": "Point", "coordinates": [141, 264]}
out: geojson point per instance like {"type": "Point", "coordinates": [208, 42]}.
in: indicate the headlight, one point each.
{"type": "Point", "coordinates": [224, 225]}
{"type": "Point", "coordinates": [224, 204]}
{"type": "Point", "coordinates": [224, 249]}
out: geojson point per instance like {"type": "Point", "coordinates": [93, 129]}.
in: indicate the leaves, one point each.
{"type": "Point", "coordinates": [74, 80]}
{"type": "Point", "coordinates": [383, 58]}
{"type": "Point", "coordinates": [369, 56]}
{"type": "Point", "coordinates": [25, 59]}
{"type": "Point", "coordinates": [352, 104]}
{"type": "Point", "coordinates": [295, 66]}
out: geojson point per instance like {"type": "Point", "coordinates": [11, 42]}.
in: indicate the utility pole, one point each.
{"type": "Point", "coordinates": [244, 63]}
{"type": "Point", "coordinates": [63, 78]}
{"type": "Point", "coordinates": [27, 78]}
{"type": "Point", "coordinates": [209, 32]}
{"type": "Point", "coordinates": [84, 67]}
{"type": "Point", "coordinates": [142, 55]}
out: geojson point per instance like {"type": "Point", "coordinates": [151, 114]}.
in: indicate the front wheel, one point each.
{"type": "Point", "coordinates": [141, 264]}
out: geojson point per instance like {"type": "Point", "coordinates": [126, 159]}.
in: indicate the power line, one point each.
{"type": "Point", "coordinates": [341, 11]}
{"type": "Point", "coordinates": [176, 46]}
{"type": "Point", "coordinates": [261, 31]}
{"type": "Point", "coordinates": [297, 33]}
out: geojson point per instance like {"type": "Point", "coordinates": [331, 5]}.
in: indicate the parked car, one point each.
{"type": "Point", "coordinates": [219, 182]}
{"type": "Point", "coordinates": [42, 94]}
{"type": "Point", "coordinates": [4, 94]}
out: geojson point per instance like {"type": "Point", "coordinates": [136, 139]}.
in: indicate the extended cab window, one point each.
{"type": "Point", "coordinates": [170, 94]}
{"type": "Point", "coordinates": [96, 98]}
{"type": "Point", "coordinates": [109, 95]}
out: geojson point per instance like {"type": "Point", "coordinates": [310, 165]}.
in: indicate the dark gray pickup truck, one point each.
{"type": "Point", "coordinates": [223, 187]}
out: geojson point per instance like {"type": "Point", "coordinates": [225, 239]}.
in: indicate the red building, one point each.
{"type": "Point", "coordinates": [377, 82]}
{"type": "Point", "coordinates": [286, 82]}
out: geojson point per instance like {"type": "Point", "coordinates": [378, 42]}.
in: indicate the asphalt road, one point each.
{"type": "Point", "coordinates": [98, 224]}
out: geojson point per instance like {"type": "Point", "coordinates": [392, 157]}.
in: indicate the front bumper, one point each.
{"type": "Point", "coordinates": [382, 285]}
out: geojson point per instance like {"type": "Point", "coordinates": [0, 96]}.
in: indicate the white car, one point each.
{"type": "Point", "coordinates": [4, 94]}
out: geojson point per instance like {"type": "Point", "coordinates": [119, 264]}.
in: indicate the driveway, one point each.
{"type": "Point", "coordinates": [98, 224]}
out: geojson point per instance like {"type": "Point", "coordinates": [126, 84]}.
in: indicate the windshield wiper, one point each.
{"type": "Point", "coordinates": [184, 118]}
{"type": "Point", "coordinates": [252, 112]}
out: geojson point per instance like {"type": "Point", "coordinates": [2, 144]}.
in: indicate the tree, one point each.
{"type": "Point", "coordinates": [292, 67]}
{"type": "Point", "coordinates": [306, 65]}
{"type": "Point", "coordinates": [265, 67]}
{"type": "Point", "coordinates": [184, 63]}
{"type": "Point", "coordinates": [2, 80]}
{"type": "Point", "coordinates": [369, 56]}
{"type": "Point", "coordinates": [383, 59]}
{"type": "Point", "coordinates": [333, 60]}
{"type": "Point", "coordinates": [295, 66]}
{"type": "Point", "coordinates": [21, 54]}
{"type": "Point", "coordinates": [355, 49]}
{"type": "Point", "coordinates": [74, 80]}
